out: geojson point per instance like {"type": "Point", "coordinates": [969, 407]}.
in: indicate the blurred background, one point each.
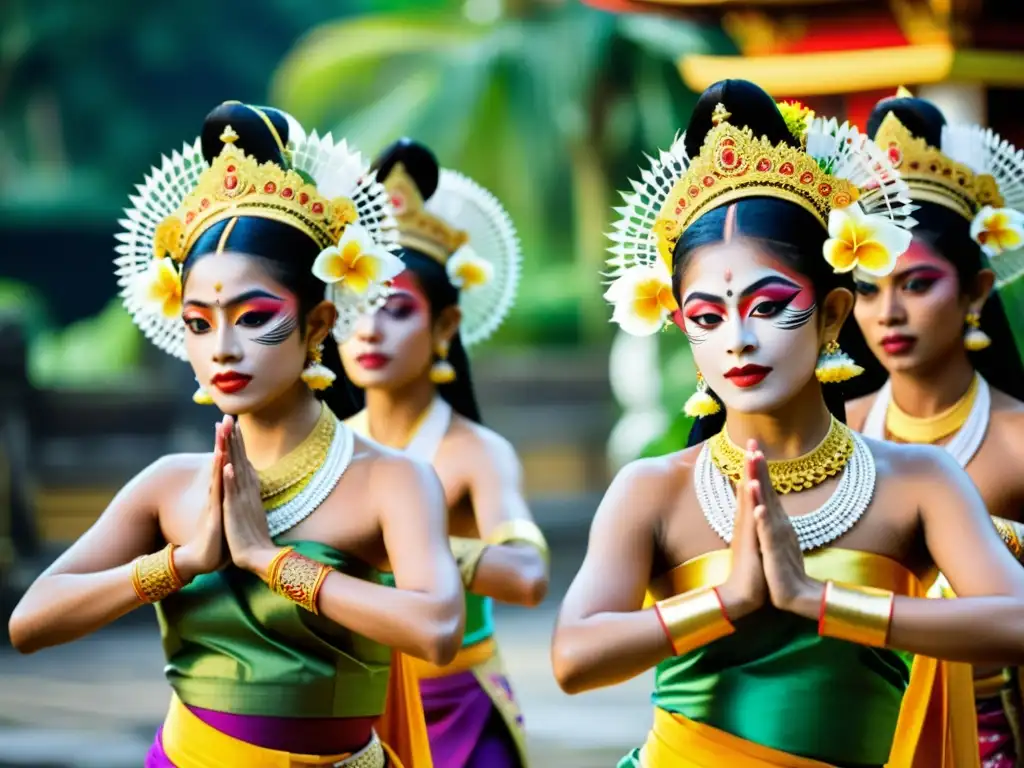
{"type": "Point", "coordinates": [549, 103]}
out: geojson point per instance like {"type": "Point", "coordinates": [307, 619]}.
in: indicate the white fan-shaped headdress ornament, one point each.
{"type": "Point", "coordinates": [841, 177]}
{"type": "Point", "coordinates": [340, 175]}
{"type": "Point", "coordinates": [486, 268]}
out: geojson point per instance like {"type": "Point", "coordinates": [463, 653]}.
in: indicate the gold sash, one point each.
{"type": "Point", "coordinates": [937, 726]}
{"type": "Point", "coordinates": [191, 743]}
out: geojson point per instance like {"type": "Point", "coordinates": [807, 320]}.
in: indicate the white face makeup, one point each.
{"type": "Point", "coordinates": [749, 321]}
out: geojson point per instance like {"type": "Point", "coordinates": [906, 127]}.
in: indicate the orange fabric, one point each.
{"type": "Point", "coordinates": [403, 726]}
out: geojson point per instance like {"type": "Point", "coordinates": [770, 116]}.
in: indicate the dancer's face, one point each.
{"type": "Point", "coordinates": [915, 316]}
{"type": "Point", "coordinates": [243, 331]}
{"type": "Point", "coordinates": [752, 323]}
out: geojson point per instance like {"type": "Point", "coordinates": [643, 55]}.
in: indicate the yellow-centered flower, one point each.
{"type": "Point", "coordinates": [642, 299]}
{"type": "Point", "coordinates": [357, 262]}
{"type": "Point", "coordinates": [998, 230]}
{"type": "Point", "coordinates": [467, 270]}
{"type": "Point", "coordinates": [168, 239]}
{"type": "Point", "coordinates": [158, 289]}
{"type": "Point", "coordinates": [867, 242]}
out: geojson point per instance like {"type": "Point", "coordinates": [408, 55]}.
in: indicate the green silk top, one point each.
{"type": "Point", "coordinates": [775, 682]}
{"type": "Point", "coordinates": [479, 619]}
{"type": "Point", "coordinates": [234, 646]}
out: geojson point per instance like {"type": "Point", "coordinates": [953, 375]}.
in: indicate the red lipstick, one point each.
{"type": "Point", "coordinates": [373, 361]}
{"type": "Point", "coordinates": [748, 376]}
{"type": "Point", "coordinates": [896, 344]}
{"type": "Point", "coordinates": [230, 382]}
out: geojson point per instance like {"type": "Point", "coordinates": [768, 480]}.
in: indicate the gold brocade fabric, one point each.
{"type": "Point", "coordinates": [789, 475]}
{"type": "Point", "coordinates": [287, 477]}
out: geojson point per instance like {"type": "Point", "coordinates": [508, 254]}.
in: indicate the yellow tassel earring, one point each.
{"type": "Point", "coordinates": [442, 372]}
{"type": "Point", "coordinates": [316, 374]}
{"type": "Point", "coordinates": [834, 365]}
{"type": "Point", "coordinates": [201, 396]}
{"type": "Point", "coordinates": [975, 339]}
{"type": "Point", "coordinates": [701, 403]}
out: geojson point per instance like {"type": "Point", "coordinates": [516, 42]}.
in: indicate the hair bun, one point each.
{"type": "Point", "coordinates": [417, 159]}
{"type": "Point", "coordinates": [749, 106]}
{"type": "Point", "coordinates": [262, 131]}
{"type": "Point", "coordinates": [922, 118]}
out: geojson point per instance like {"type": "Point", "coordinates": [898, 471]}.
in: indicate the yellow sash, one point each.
{"type": "Point", "coordinates": [937, 726]}
{"type": "Point", "coordinates": [403, 725]}
{"type": "Point", "coordinates": [465, 660]}
{"type": "Point", "coordinates": [191, 743]}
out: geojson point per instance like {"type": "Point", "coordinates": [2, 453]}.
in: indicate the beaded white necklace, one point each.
{"type": "Point", "coordinates": [824, 525]}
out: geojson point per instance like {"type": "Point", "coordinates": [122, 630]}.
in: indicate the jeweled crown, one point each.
{"type": "Point", "coordinates": [417, 228]}
{"type": "Point", "coordinates": [733, 164]}
{"type": "Point", "coordinates": [933, 176]}
{"type": "Point", "coordinates": [235, 184]}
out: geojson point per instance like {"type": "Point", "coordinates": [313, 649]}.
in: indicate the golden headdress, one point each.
{"type": "Point", "coordinates": [328, 193]}
{"type": "Point", "coordinates": [482, 257]}
{"type": "Point", "coordinates": [837, 175]}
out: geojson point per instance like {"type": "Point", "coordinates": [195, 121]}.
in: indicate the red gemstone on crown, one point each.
{"type": "Point", "coordinates": [764, 165]}
{"type": "Point", "coordinates": [787, 169]}
{"type": "Point", "coordinates": [270, 187]}
{"type": "Point", "coordinates": [230, 182]}
{"type": "Point", "coordinates": [190, 217]}
{"type": "Point", "coordinates": [806, 177]}
{"type": "Point", "coordinates": [708, 181]}
{"type": "Point", "coordinates": [287, 192]}
{"type": "Point", "coordinates": [694, 191]}
{"type": "Point", "coordinates": [303, 198]}
{"type": "Point", "coordinates": [231, 169]}
{"type": "Point", "coordinates": [729, 158]}
{"type": "Point", "coordinates": [895, 156]}
{"type": "Point", "coordinates": [204, 203]}
{"type": "Point", "coordinates": [825, 189]}
{"type": "Point", "coordinates": [318, 207]}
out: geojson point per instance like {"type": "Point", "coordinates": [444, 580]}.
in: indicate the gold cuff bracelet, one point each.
{"type": "Point", "coordinates": [154, 577]}
{"type": "Point", "coordinates": [297, 578]}
{"type": "Point", "coordinates": [693, 619]}
{"type": "Point", "coordinates": [859, 615]}
{"type": "Point", "coordinates": [522, 531]}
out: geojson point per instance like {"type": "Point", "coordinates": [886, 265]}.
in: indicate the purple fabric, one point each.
{"type": "Point", "coordinates": [465, 729]}
{"type": "Point", "coordinates": [156, 757]}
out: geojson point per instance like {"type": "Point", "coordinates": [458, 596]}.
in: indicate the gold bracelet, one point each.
{"type": "Point", "coordinates": [467, 554]}
{"type": "Point", "coordinates": [693, 619]}
{"type": "Point", "coordinates": [523, 531]}
{"type": "Point", "coordinates": [297, 578]}
{"type": "Point", "coordinates": [859, 615]}
{"type": "Point", "coordinates": [154, 577]}
{"type": "Point", "coordinates": [1010, 533]}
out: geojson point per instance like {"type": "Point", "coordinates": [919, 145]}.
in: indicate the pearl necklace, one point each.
{"type": "Point", "coordinates": [967, 440]}
{"type": "Point", "coordinates": [843, 509]}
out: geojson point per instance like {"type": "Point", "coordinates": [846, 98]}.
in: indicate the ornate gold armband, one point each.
{"type": "Point", "coordinates": [1012, 534]}
{"type": "Point", "coordinates": [297, 577]}
{"type": "Point", "coordinates": [860, 615]}
{"type": "Point", "coordinates": [522, 531]}
{"type": "Point", "coordinates": [693, 619]}
{"type": "Point", "coordinates": [154, 577]}
{"type": "Point", "coordinates": [467, 554]}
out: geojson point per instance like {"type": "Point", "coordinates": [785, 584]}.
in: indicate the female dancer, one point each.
{"type": "Point", "coordinates": [791, 646]}
{"type": "Point", "coordinates": [923, 320]}
{"type": "Point", "coordinates": [408, 363]}
{"type": "Point", "coordinates": [283, 579]}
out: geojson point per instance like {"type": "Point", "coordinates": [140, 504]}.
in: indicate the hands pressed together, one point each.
{"type": "Point", "coordinates": [233, 525]}
{"type": "Point", "coordinates": [767, 561]}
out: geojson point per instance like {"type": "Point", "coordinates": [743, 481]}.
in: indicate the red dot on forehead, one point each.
{"type": "Point", "coordinates": [728, 275]}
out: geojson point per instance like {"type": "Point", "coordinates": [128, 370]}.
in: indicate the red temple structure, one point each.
{"type": "Point", "coordinates": [841, 56]}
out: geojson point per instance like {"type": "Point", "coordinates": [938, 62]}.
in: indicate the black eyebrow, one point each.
{"type": "Point", "coordinates": [242, 297]}
{"type": "Point", "coordinates": [709, 297]}
{"type": "Point", "coordinates": [770, 280]}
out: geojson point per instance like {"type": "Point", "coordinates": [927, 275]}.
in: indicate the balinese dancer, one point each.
{"type": "Point", "coordinates": [955, 377]}
{"type": "Point", "coordinates": [408, 364]}
{"type": "Point", "coordinates": [286, 567]}
{"type": "Point", "coordinates": [785, 558]}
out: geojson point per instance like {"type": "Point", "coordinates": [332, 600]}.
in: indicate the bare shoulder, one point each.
{"type": "Point", "coordinates": [470, 438]}
{"type": "Point", "coordinates": [645, 487]}
{"type": "Point", "coordinates": [931, 466]}
{"type": "Point", "coordinates": [177, 470]}
{"type": "Point", "coordinates": [389, 466]}
{"type": "Point", "coordinates": [1007, 424]}
{"type": "Point", "coordinates": [857, 411]}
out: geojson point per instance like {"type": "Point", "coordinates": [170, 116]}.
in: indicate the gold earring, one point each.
{"type": "Point", "coordinates": [701, 403]}
{"type": "Point", "coordinates": [201, 396]}
{"type": "Point", "coordinates": [316, 374]}
{"type": "Point", "coordinates": [834, 365]}
{"type": "Point", "coordinates": [442, 372]}
{"type": "Point", "coordinates": [975, 339]}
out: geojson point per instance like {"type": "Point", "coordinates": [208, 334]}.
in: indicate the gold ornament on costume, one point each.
{"type": "Point", "coordinates": [154, 577]}
{"type": "Point", "coordinates": [836, 175]}
{"type": "Point", "coordinates": [418, 228]}
{"type": "Point", "coordinates": [834, 365]}
{"type": "Point", "coordinates": [930, 429]}
{"type": "Point", "coordinates": [297, 578]}
{"type": "Point", "coordinates": [790, 475]}
{"type": "Point", "coordinates": [975, 339]}
{"type": "Point", "coordinates": [283, 480]}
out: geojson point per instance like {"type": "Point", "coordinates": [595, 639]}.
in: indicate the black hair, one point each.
{"type": "Point", "coordinates": [286, 252]}
{"type": "Point", "coordinates": [948, 233]}
{"type": "Point", "coordinates": [791, 233]}
{"type": "Point", "coordinates": [422, 166]}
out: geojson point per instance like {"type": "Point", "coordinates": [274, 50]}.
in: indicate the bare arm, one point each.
{"type": "Point", "coordinates": [424, 616]}
{"type": "Point", "coordinates": [513, 572]}
{"type": "Point", "coordinates": [90, 585]}
{"type": "Point", "coordinates": [985, 624]}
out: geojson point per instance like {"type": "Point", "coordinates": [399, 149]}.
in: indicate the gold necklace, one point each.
{"type": "Point", "coordinates": [789, 475]}
{"type": "Point", "coordinates": [930, 429]}
{"type": "Point", "coordinates": [286, 477]}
